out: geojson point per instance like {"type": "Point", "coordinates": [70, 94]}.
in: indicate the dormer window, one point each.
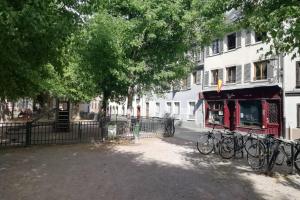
{"type": "Point", "coordinates": [216, 47]}
{"type": "Point", "coordinates": [231, 41]}
{"type": "Point", "coordinates": [259, 36]}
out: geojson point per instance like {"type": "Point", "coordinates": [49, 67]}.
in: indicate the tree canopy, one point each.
{"type": "Point", "coordinates": [279, 19]}
{"type": "Point", "coordinates": [32, 36]}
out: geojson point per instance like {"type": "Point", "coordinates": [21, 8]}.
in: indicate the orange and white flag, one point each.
{"type": "Point", "coordinates": [219, 85]}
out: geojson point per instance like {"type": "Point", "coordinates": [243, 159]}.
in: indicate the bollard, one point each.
{"type": "Point", "coordinates": [136, 133]}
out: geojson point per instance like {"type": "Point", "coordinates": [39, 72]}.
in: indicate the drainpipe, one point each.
{"type": "Point", "coordinates": [281, 60]}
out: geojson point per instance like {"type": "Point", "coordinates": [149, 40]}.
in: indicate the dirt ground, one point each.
{"type": "Point", "coordinates": [153, 169]}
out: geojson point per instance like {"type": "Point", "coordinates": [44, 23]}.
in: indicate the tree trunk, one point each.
{"type": "Point", "coordinates": [104, 104]}
{"type": "Point", "coordinates": [13, 110]}
{"type": "Point", "coordinates": [130, 95]}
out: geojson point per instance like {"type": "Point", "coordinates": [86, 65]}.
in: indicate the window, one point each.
{"type": "Point", "coordinates": [177, 108]}
{"type": "Point", "coordinates": [169, 108]}
{"type": "Point", "coordinates": [184, 84]}
{"type": "Point", "coordinates": [259, 36]}
{"type": "Point", "coordinates": [273, 112]}
{"type": "Point", "coordinates": [198, 77]}
{"type": "Point", "coordinates": [192, 110]}
{"type": "Point", "coordinates": [196, 54]}
{"type": "Point", "coordinates": [194, 78]}
{"type": "Point", "coordinates": [157, 108]}
{"type": "Point", "coordinates": [215, 113]}
{"type": "Point", "coordinates": [216, 47]}
{"type": "Point", "coordinates": [298, 115]}
{"type": "Point", "coordinates": [231, 41]}
{"type": "Point", "coordinates": [298, 74]}
{"type": "Point", "coordinates": [250, 113]}
{"type": "Point", "coordinates": [231, 74]}
{"type": "Point", "coordinates": [214, 77]}
{"type": "Point", "coordinates": [260, 70]}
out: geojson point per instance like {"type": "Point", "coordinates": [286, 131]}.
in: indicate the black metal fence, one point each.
{"type": "Point", "coordinates": [37, 133]}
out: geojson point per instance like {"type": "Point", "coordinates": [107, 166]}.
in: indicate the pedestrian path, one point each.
{"type": "Point", "coordinates": [188, 133]}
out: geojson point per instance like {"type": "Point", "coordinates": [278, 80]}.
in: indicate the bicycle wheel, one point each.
{"type": "Point", "coordinates": [256, 155]}
{"type": "Point", "coordinates": [249, 142]}
{"type": "Point", "coordinates": [297, 161]}
{"type": "Point", "coordinates": [226, 147]}
{"type": "Point", "coordinates": [272, 161]}
{"type": "Point", "coordinates": [205, 143]}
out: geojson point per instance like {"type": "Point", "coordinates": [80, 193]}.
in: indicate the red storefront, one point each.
{"type": "Point", "coordinates": [257, 108]}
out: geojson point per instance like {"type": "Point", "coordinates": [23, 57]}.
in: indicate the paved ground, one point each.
{"type": "Point", "coordinates": [153, 169]}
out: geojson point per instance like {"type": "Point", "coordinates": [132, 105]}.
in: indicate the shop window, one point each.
{"type": "Point", "coordinates": [216, 47]}
{"type": "Point", "coordinates": [260, 70]}
{"type": "Point", "coordinates": [214, 77]}
{"type": "Point", "coordinates": [216, 115]}
{"type": "Point", "coordinates": [250, 113]}
{"type": "Point", "coordinates": [231, 74]}
{"type": "Point", "coordinates": [298, 74]}
{"type": "Point", "coordinates": [231, 41]}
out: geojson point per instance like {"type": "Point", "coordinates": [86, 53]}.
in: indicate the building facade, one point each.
{"type": "Point", "coordinates": [291, 96]}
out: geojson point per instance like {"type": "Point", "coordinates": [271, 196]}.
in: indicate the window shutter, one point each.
{"type": "Point", "coordinates": [198, 77]}
{"type": "Point", "coordinates": [238, 39]}
{"type": "Point", "coordinates": [206, 78]}
{"type": "Point", "coordinates": [248, 37]}
{"type": "Point", "coordinates": [247, 72]}
{"type": "Point", "coordinates": [270, 70]}
{"type": "Point", "coordinates": [220, 74]}
{"type": "Point", "coordinates": [221, 46]}
{"type": "Point", "coordinates": [202, 56]}
{"type": "Point", "coordinates": [206, 52]}
{"type": "Point", "coordinates": [239, 74]}
{"type": "Point", "coordinates": [188, 82]}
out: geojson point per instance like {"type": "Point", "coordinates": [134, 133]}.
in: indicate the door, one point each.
{"type": "Point", "coordinates": [231, 109]}
{"type": "Point", "coordinates": [273, 119]}
{"type": "Point", "coordinates": [138, 114]}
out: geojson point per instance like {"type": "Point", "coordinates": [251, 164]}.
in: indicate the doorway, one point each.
{"type": "Point", "coordinates": [231, 109]}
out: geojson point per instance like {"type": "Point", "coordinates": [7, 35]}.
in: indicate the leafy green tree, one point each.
{"type": "Point", "coordinates": [280, 19]}
{"type": "Point", "coordinates": [32, 36]}
{"type": "Point", "coordinates": [156, 35]}
{"type": "Point", "coordinates": [101, 57]}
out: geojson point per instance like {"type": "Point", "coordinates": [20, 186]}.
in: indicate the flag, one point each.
{"type": "Point", "coordinates": [219, 86]}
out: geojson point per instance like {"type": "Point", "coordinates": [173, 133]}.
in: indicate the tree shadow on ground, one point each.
{"type": "Point", "coordinates": [234, 166]}
{"type": "Point", "coordinates": [121, 172]}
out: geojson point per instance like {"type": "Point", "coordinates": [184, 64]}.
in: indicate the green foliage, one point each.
{"type": "Point", "coordinates": [280, 19]}
{"type": "Point", "coordinates": [32, 35]}
{"type": "Point", "coordinates": [156, 36]}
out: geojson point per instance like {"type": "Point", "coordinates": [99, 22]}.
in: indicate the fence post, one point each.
{"type": "Point", "coordinates": [79, 131]}
{"type": "Point", "coordinates": [28, 133]}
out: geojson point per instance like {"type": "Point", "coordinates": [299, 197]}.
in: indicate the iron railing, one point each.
{"type": "Point", "coordinates": [39, 133]}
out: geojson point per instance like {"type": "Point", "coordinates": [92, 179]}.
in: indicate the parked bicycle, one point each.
{"type": "Point", "coordinates": [236, 143]}
{"type": "Point", "coordinates": [260, 152]}
{"type": "Point", "coordinates": [169, 126]}
{"type": "Point", "coordinates": [281, 154]}
{"type": "Point", "coordinates": [209, 142]}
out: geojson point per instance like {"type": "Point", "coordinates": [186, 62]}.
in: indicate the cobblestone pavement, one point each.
{"type": "Point", "coordinates": [156, 168]}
